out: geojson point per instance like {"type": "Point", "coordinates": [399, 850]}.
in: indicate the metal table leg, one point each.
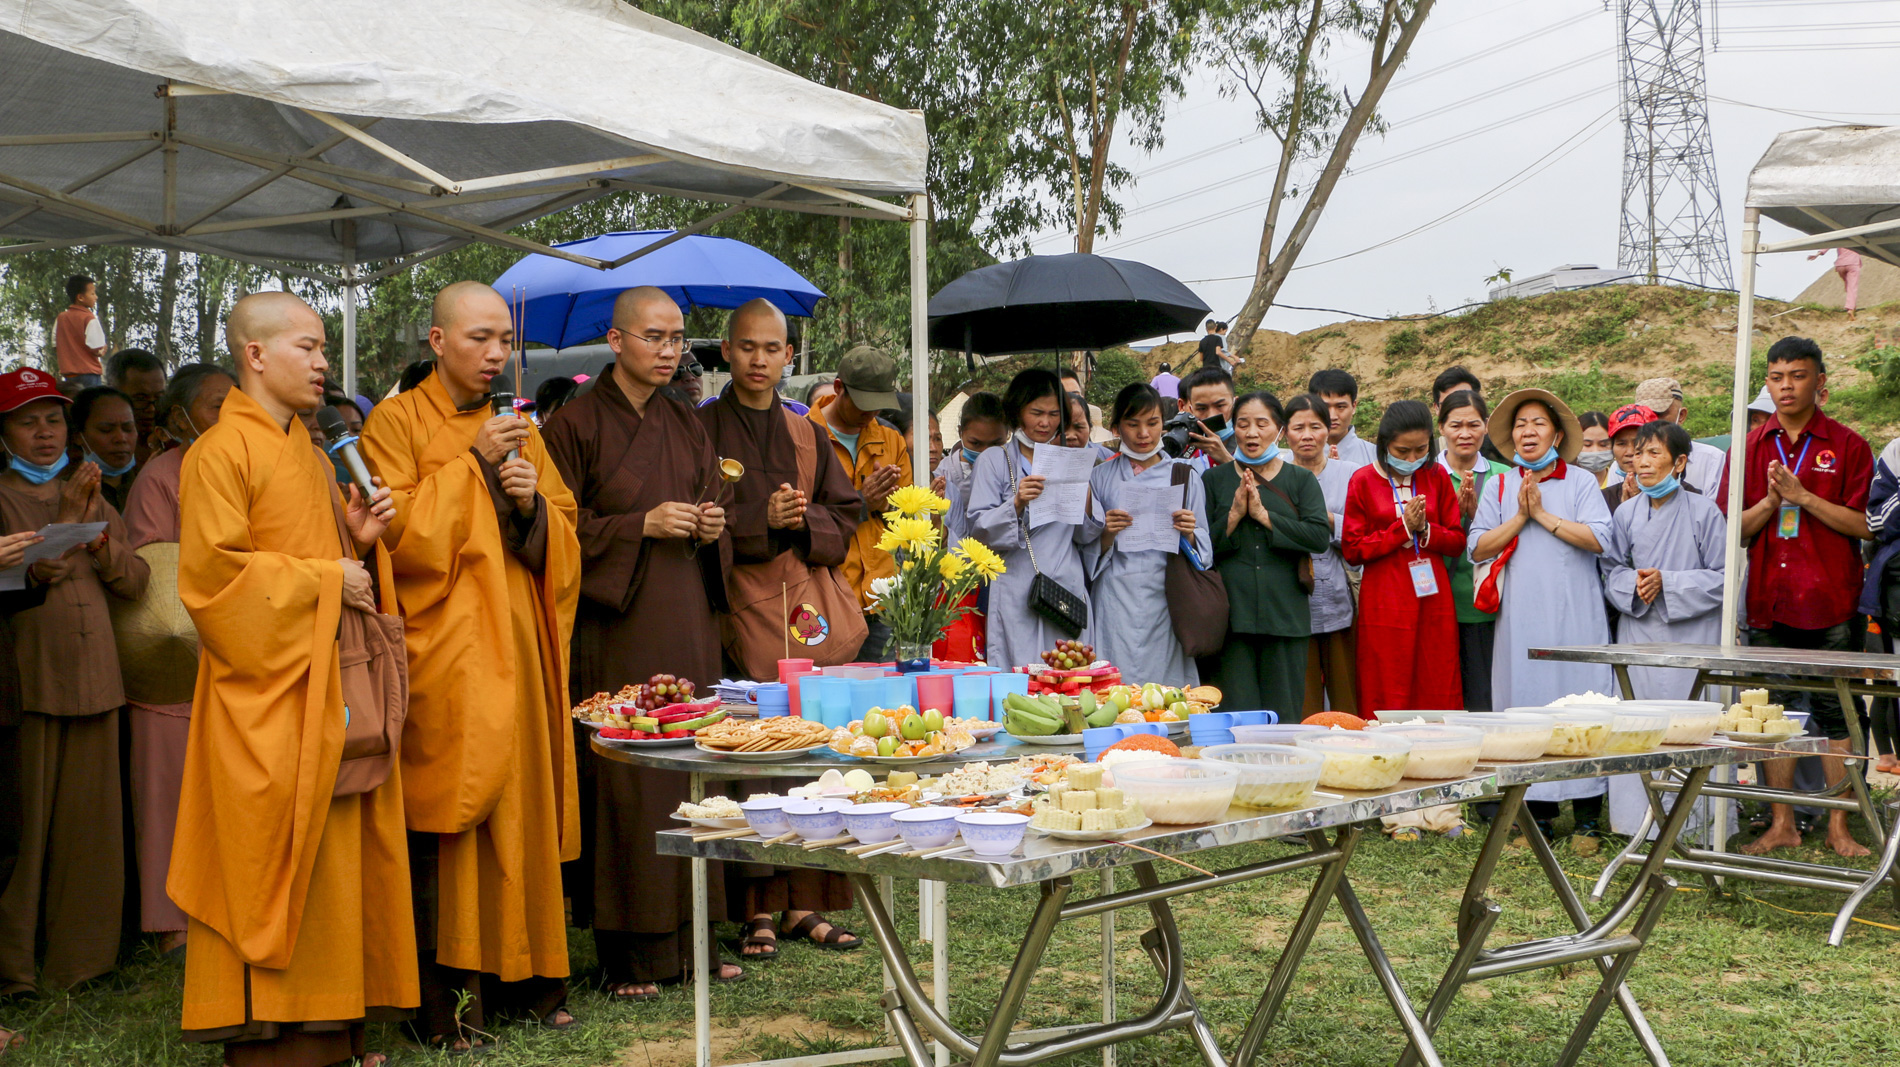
{"type": "Point", "coordinates": [1281, 981]}
{"type": "Point", "coordinates": [702, 945]}
{"type": "Point", "coordinates": [1882, 872]}
{"type": "Point", "coordinates": [1108, 965]}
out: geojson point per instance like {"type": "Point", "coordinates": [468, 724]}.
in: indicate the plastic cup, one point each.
{"type": "Point", "coordinates": [772, 700]}
{"type": "Point", "coordinates": [866, 693]}
{"type": "Point", "coordinates": [1002, 685]}
{"type": "Point", "coordinates": [937, 691]}
{"type": "Point", "coordinates": [900, 690]}
{"type": "Point", "coordinates": [834, 695]}
{"type": "Point", "coordinates": [972, 696]}
{"type": "Point", "coordinates": [806, 701]}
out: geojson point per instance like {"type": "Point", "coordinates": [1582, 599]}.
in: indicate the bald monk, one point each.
{"type": "Point", "coordinates": [638, 460]}
{"type": "Point", "coordinates": [487, 574]}
{"type": "Point", "coordinates": [297, 900]}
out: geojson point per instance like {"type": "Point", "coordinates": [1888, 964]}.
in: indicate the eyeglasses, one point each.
{"type": "Point", "coordinates": [677, 344]}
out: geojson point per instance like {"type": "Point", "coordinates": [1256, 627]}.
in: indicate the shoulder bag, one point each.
{"type": "Point", "coordinates": [373, 664]}
{"type": "Point", "coordinates": [1197, 599]}
{"type": "Point", "coordinates": [1487, 593]}
{"type": "Point", "coordinates": [788, 599]}
{"type": "Point", "coordinates": [1063, 609]}
{"type": "Point", "coordinates": [1306, 561]}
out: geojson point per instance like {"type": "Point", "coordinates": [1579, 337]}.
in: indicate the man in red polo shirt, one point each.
{"type": "Point", "coordinates": [1804, 491]}
{"type": "Point", "coordinates": [79, 342]}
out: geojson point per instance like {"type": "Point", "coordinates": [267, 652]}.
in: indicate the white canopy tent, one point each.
{"type": "Point", "coordinates": [298, 136]}
{"type": "Point", "coordinates": [1839, 185]}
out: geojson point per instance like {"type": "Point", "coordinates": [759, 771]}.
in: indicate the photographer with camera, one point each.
{"type": "Point", "coordinates": [1201, 433]}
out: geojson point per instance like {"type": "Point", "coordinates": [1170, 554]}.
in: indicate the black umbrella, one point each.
{"type": "Point", "coordinates": [1052, 303]}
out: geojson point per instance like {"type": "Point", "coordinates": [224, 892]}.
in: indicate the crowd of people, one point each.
{"type": "Point", "coordinates": [363, 798]}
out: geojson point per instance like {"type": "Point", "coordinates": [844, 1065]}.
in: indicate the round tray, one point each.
{"type": "Point", "coordinates": [1760, 739]}
{"type": "Point", "coordinates": [1049, 739]}
{"type": "Point", "coordinates": [984, 733]}
{"type": "Point", "coordinates": [724, 824]}
{"type": "Point", "coordinates": [648, 742]}
{"type": "Point", "coordinates": [1092, 835]}
{"type": "Point", "coordinates": [900, 761]}
{"type": "Point", "coordinates": [774, 756]}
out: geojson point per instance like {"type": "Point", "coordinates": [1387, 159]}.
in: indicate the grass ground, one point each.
{"type": "Point", "coordinates": [1728, 980]}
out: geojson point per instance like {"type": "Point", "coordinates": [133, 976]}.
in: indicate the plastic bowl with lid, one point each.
{"type": "Point", "coordinates": [1284, 733]}
{"type": "Point", "coordinates": [1637, 728]}
{"type": "Point", "coordinates": [1359, 760]}
{"type": "Point", "coordinates": [1691, 722]}
{"type": "Point", "coordinates": [1179, 791]}
{"type": "Point", "coordinates": [1512, 735]}
{"type": "Point", "coordinates": [1271, 776]}
{"type": "Point", "coordinates": [1399, 716]}
{"type": "Point", "coordinates": [1438, 750]}
{"type": "Point", "coordinates": [1578, 731]}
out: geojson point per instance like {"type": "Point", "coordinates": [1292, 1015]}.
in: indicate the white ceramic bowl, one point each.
{"type": "Point", "coordinates": [1438, 751]}
{"type": "Point", "coordinates": [926, 827]}
{"type": "Point", "coordinates": [1360, 760]}
{"type": "Point", "coordinates": [816, 820]}
{"type": "Point", "coordinates": [992, 833]}
{"type": "Point", "coordinates": [1179, 792]}
{"type": "Point", "coordinates": [1512, 735]}
{"type": "Point", "coordinates": [766, 816]}
{"type": "Point", "coordinates": [871, 823]}
{"type": "Point", "coordinates": [1271, 776]}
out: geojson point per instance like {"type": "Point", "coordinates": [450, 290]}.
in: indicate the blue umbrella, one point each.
{"type": "Point", "coordinates": [568, 304]}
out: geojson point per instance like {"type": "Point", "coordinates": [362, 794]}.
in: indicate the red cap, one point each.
{"type": "Point", "coordinates": [1630, 416]}
{"type": "Point", "coordinates": [26, 385]}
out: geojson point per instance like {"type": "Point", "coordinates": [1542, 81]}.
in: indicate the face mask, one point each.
{"type": "Point", "coordinates": [195, 432]}
{"type": "Point", "coordinates": [1660, 489]}
{"type": "Point", "coordinates": [1404, 466]}
{"type": "Point", "coordinates": [110, 472]}
{"type": "Point", "coordinates": [1550, 457]}
{"type": "Point", "coordinates": [1022, 440]}
{"type": "Point", "coordinates": [970, 454]}
{"type": "Point", "coordinates": [1140, 456]}
{"type": "Point", "coordinates": [1595, 462]}
{"type": "Point", "coordinates": [1272, 453]}
{"type": "Point", "coordinates": [1227, 436]}
{"type": "Point", "coordinates": [35, 473]}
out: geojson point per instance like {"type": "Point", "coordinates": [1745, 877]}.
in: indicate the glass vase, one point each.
{"type": "Point", "coordinates": [912, 657]}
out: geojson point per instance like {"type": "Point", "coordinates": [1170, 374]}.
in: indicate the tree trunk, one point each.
{"type": "Point", "coordinates": [167, 304]}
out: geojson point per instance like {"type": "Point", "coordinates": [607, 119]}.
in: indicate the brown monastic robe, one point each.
{"type": "Point", "coordinates": [70, 875]}
{"type": "Point", "coordinates": [761, 441]}
{"type": "Point", "coordinates": [298, 899]}
{"type": "Point", "coordinates": [646, 608]}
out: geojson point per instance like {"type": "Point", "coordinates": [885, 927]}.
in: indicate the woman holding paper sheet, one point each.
{"type": "Point", "coordinates": [71, 846]}
{"type": "Point", "coordinates": [1002, 492]}
{"type": "Point", "coordinates": [1129, 602]}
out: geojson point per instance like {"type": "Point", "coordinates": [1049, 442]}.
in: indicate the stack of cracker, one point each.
{"type": "Point", "coordinates": [1754, 715]}
{"type": "Point", "coordinates": [1081, 802]}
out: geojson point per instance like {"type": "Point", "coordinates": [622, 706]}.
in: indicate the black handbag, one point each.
{"type": "Point", "coordinates": [1063, 609]}
{"type": "Point", "coordinates": [1197, 599]}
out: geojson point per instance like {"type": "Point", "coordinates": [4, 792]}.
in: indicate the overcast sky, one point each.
{"type": "Point", "coordinates": [1527, 81]}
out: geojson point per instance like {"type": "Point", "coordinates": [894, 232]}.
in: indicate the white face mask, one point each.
{"type": "Point", "coordinates": [1023, 440]}
{"type": "Point", "coordinates": [1140, 456]}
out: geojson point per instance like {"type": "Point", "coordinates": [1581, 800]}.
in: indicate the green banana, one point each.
{"type": "Point", "coordinates": [1023, 705]}
{"type": "Point", "coordinates": [1023, 725]}
{"type": "Point", "coordinates": [1097, 715]}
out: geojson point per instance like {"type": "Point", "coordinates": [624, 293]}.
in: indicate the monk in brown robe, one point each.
{"type": "Point", "coordinates": [653, 574]}
{"type": "Point", "coordinates": [297, 899]}
{"type": "Point", "coordinates": [487, 574]}
{"type": "Point", "coordinates": [774, 512]}
{"type": "Point", "coordinates": [187, 407]}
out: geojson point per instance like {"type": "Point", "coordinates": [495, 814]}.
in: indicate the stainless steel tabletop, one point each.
{"type": "Point", "coordinates": [1867, 666]}
{"type": "Point", "coordinates": [811, 765]}
{"type": "Point", "coordinates": [1041, 857]}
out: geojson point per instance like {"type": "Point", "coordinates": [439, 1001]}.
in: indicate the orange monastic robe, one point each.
{"type": "Point", "coordinates": [298, 900]}
{"type": "Point", "coordinates": [488, 749]}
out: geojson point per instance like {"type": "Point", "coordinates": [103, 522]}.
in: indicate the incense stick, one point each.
{"type": "Point", "coordinates": [1167, 857]}
{"type": "Point", "coordinates": [785, 606]}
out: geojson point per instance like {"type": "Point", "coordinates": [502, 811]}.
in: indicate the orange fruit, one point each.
{"type": "Point", "coordinates": [1335, 718]}
{"type": "Point", "coordinates": [1143, 743]}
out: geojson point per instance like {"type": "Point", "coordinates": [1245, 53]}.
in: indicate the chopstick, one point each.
{"type": "Point", "coordinates": [1165, 856]}
{"type": "Point", "coordinates": [721, 835]}
{"type": "Point", "coordinates": [877, 848]}
{"type": "Point", "coordinates": [828, 842]}
{"type": "Point", "coordinates": [938, 851]}
{"type": "Point", "coordinates": [781, 839]}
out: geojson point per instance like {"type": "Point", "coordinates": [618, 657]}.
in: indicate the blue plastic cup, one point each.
{"type": "Point", "coordinates": [1002, 685]}
{"type": "Point", "coordinates": [1253, 718]}
{"type": "Point", "coordinates": [900, 691]}
{"type": "Point", "coordinates": [1097, 738]}
{"type": "Point", "coordinates": [811, 704]}
{"type": "Point", "coordinates": [773, 700]}
{"type": "Point", "coordinates": [972, 696]}
{"type": "Point", "coordinates": [866, 693]}
{"type": "Point", "coordinates": [834, 695]}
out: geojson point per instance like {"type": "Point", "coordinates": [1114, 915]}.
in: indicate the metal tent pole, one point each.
{"type": "Point", "coordinates": [1738, 426]}
{"type": "Point", "coordinates": [919, 340]}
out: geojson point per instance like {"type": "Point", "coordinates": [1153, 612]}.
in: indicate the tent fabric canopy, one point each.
{"type": "Point", "coordinates": [1831, 178]}
{"type": "Point", "coordinates": [357, 130]}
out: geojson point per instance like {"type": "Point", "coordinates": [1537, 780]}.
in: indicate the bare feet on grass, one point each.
{"type": "Point", "coordinates": [1780, 835]}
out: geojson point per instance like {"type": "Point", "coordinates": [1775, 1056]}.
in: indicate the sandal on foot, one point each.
{"type": "Point", "coordinates": [548, 1020]}
{"type": "Point", "coordinates": [1406, 835]}
{"type": "Point", "coordinates": [834, 941]}
{"type": "Point", "coordinates": [617, 992]}
{"type": "Point", "coordinates": [760, 931]}
{"type": "Point", "coordinates": [456, 1046]}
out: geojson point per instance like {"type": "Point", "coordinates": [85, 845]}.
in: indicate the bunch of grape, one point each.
{"type": "Point", "coordinates": [1069, 655]}
{"type": "Point", "coordinates": [662, 690]}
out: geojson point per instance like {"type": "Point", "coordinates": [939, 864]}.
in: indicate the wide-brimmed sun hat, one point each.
{"type": "Point", "coordinates": [1505, 414]}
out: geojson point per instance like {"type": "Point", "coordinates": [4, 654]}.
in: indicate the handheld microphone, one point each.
{"type": "Point", "coordinates": [343, 443]}
{"type": "Point", "coordinates": [504, 404]}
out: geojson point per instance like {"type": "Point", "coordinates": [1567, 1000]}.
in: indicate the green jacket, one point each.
{"type": "Point", "coordinates": [1260, 566]}
{"type": "Point", "coordinates": [1463, 584]}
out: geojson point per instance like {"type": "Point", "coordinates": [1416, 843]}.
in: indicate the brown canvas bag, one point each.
{"type": "Point", "coordinates": [374, 666]}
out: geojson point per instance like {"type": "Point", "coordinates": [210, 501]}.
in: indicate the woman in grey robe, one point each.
{"type": "Point", "coordinates": [1332, 653]}
{"type": "Point", "coordinates": [1001, 490]}
{"type": "Point", "coordinates": [980, 428]}
{"type": "Point", "coordinates": [1662, 572]}
{"type": "Point", "coordinates": [1551, 517]}
{"type": "Point", "coordinates": [1128, 589]}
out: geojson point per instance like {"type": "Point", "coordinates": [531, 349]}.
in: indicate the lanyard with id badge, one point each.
{"type": "Point", "coordinates": [1788, 523]}
{"type": "Point", "coordinates": [1424, 579]}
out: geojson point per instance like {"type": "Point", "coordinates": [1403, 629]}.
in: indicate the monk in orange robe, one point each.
{"type": "Point", "coordinates": [297, 902]}
{"type": "Point", "coordinates": [488, 576]}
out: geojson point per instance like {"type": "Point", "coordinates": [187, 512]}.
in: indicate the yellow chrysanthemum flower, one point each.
{"type": "Point", "coordinates": [987, 563]}
{"type": "Point", "coordinates": [888, 541]}
{"type": "Point", "coordinates": [913, 535]}
{"type": "Point", "coordinates": [915, 500]}
{"type": "Point", "coordinates": [952, 566]}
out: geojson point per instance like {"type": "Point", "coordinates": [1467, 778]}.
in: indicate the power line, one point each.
{"type": "Point", "coordinates": [1497, 89]}
{"type": "Point", "coordinates": [1838, 116]}
{"type": "Point", "coordinates": [1465, 61]}
{"type": "Point", "coordinates": [1842, 46]}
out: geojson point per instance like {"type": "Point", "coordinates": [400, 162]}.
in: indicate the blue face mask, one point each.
{"type": "Point", "coordinates": [35, 473]}
{"type": "Point", "coordinates": [970, 454]}
{"type": "Point", "coordinates": [1404, 466]}
{"type": "Point", "coordinates": [1227, 435]}
{"type": "Point", "coordinates": [1660, 489]}
{"type": "Point", "coordinates": [110, 472]}
{"type": "Point", "coordinates": [1550, 457]}
{"type": "Point", "coordinates": [1272, 453]}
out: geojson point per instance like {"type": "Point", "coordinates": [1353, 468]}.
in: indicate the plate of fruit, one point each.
{"type": "Point", "coordinates": [1054, 720]}
{"type": "Point", "coordinates": [898, 737]}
